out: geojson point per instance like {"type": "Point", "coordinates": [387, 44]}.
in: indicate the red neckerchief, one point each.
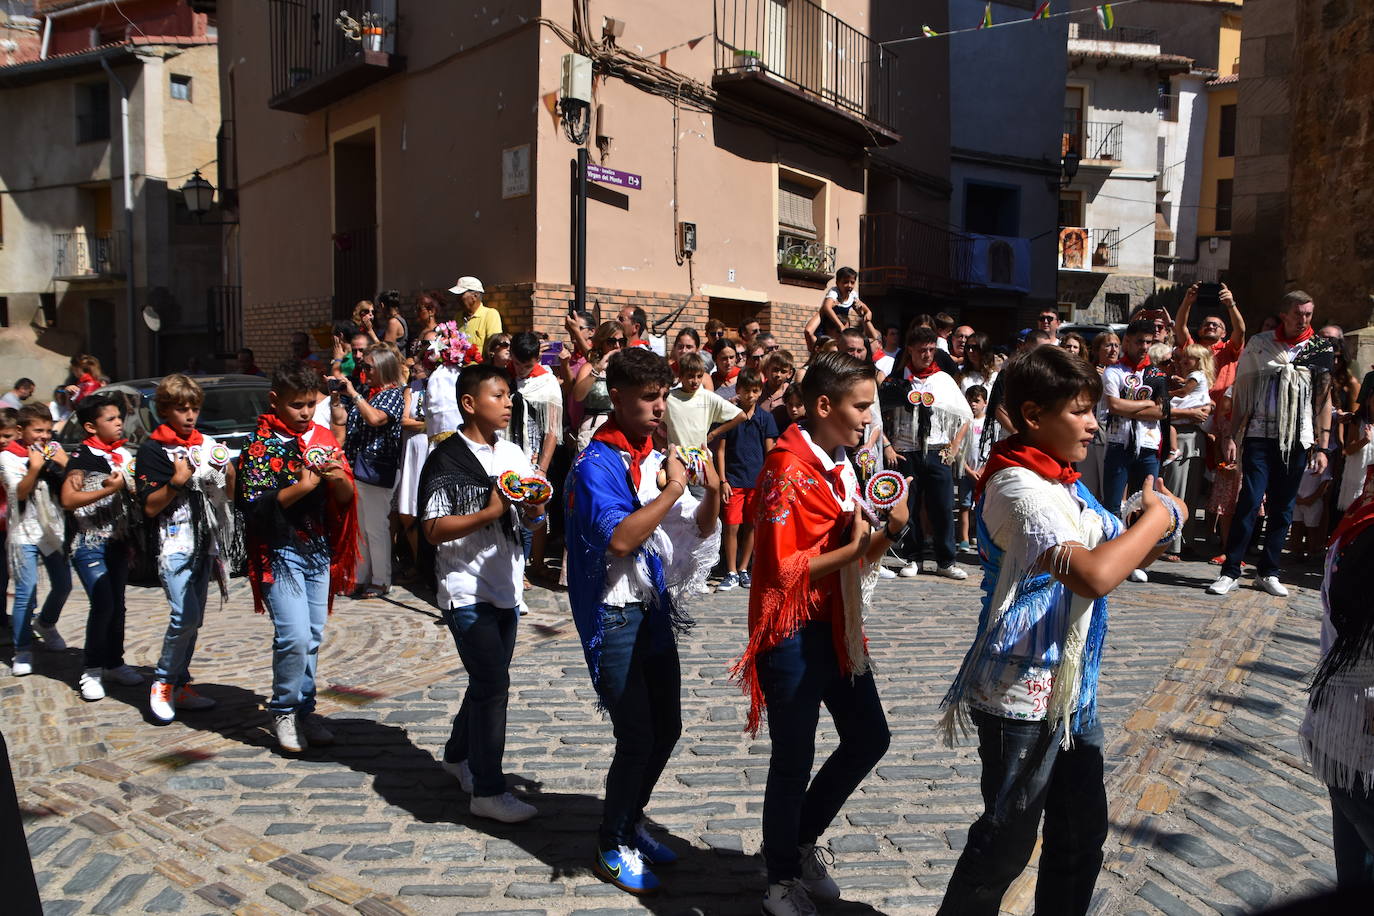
{"type": "Point", "coordinates": [1302, 336]}
{"type": "Point", "coordinates": [14, 448]}
{"type": "Point", "coordinates": [96, 444]}
{"type": "Point", "coordinates": [273, 423]}
{"type": "Point", "coordinates": [168, 436]}
{"type": "Point", "coordinates": [1137, 366]}
{"type": "Point", "coordinates": [925, 373]}
{"type": "Point", "coordinates": [1015, 452]}
{"type": "Point", "coordinates": [638, 343]}
{"type": "Point", "coordinates": [611, 434]}
{"type": "Point", "coordinates": [1358, 517]}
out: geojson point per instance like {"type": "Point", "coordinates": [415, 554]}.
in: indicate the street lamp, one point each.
{"type": "Point", "coordinates": [199, 194]}
{"type": "Point", "coordinates": [1068, 166]}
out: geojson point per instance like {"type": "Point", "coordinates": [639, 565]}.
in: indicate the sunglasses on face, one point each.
{"type": "Point", "coordinates": [717, 334]}
{"type": "Point", "coordinates": [1048, 317]}
{"type": "Point", "coordinates": [772, 348]}
{"type": "Point", "coordinates": [618, 341]}
{"type": "Point", "coordinates": [365, 314]}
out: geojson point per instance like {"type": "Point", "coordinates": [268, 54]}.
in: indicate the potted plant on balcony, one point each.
{"type": "Point", "coordinates": [748, 60]}
{"type": "Point", "coordinates": [368, 30]}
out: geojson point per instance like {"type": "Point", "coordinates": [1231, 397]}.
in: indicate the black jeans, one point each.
{"type": "Point", "coordinates": [932, 486]}
{"type": "Point", "coordinates": [1264, 472]}
{"type": "Point", "coordinates": [485, 636]}
{"type": "Point", "coordinates": [1025, 773]}
{"type": "Point", "coordinates": [797, 676]}
{"type": "Point", "coordinates": [1352, 836]}
{"type": "Point", "coordinates": [641, 687]}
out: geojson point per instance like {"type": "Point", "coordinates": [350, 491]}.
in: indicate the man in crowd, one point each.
{"type": "Point", "coordinates": [247, 363]}
{"type": "Point", "coordinates": [956, 343]}
{"type": "Point", "coordinates": [474, 319]}
{"type": "Point", "coordinates": [1211, 333]}
{"type": "Point", "coordinates": [635, 324]}
{"type": "Point", "coordinates": [1048, 320]}
{"type": "Point", "coordinates": [748, 331]}
{"type": "Point", "coordinates": [15, 398]}
{"type": "Point", "coordinates": [1282, 414]}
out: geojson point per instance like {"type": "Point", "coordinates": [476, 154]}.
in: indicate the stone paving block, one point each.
{"type": "Point", "coordinates": [92, 874]}
{"type": "Point", "coordinates": [380, 851]}
{"type": "Point", "coordinates": [1164, 901]}
{"type": "Point", "coordinates": [1249, 887]}
{"type": "Point", "coordinates": [382, 905]}
{"type": "Point", "coordinates": [61, 907]}
{"type": "Point", "coordinates": [119, 896]}
{"type": "Point", "coordinates": [220, 895]}
{"type": "Point", "coordinates": [43, 837]}
{"type": "Point", "coordinates": [340, 888]}
{"type": "Point", "coordinates": [96, 823]}
{"type": "Point", "coordinates": [1191, 849]}
{"type": "Point", "coordinates": [167, 900]}
{"type": "Point", "coordinates": [287, 895]}
{"type": "Point", "coordinates": [177, 874]}
{"type": "Point", "coordinates": [1280, 841]}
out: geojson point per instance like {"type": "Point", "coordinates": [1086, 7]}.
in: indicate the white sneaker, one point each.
{"type": "Point", "coordinates": [186, 697]}
{"type": "Point", "coordinates": [951, 572]}
{"type": "Point", "coordinates": [815, 876]}
{"type": "Point", "coordinates": [505, 808]}
{"type": "Point", "coordinates": [461, 772]}
{"type": "Point", "coordinates": [1273, 586]}
{"type": "Point", "coordinates": [90, 686]}
{"type": "Point", "coordinates": [160, 702]}
{"type": "Point", "coordinates": [124, 675]}
{"type": "Point", "coordinates": [909, 571]}
{"type": "Point", "coordinates": [885, 572]}
{"type": "Point", "coordinates": [1138, 575]}
{"type": "Point", "coordinates": [287, 736]}
{"type": "Point", "coordinates": [314, 731]}
{"type": "Point", "coordinates": [788, 898]}
{"type": "Point", "coordinates": [23, 664]}
{"type": "Point", "coordinates": [51, 639]}
{"type": "Point", "coordinates": [1223, 585]}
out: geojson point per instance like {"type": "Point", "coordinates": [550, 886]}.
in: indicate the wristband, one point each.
{"type": "Point", "coordinates": [894, 538]}
{"type": "Point", "coordinates": [1135, 502]}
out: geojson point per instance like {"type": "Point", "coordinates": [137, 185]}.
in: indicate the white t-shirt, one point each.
{"type": "Point", "coordinates": [1121, 382]}
{"type": "Point", "coordinates": [1198, 397]}
{"type": "Point", "coordinates": [483, 566]}
{"type": "Point", "coordinates": [175, 534]}
{"type": "Point", "coordinates": [949, 411]}
{"type": "Point", "coordinates": [38, 519]}
{"type": "Point", "coordinates": [690, 417]}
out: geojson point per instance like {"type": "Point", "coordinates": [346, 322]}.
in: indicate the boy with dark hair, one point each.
{"type": "Point", "coordinates": [1051, 554]}
{"type": "Point", "coordinates": [816, 555]}
{"type": "Point", "coordinates": [185, 482]}
{"type": "Point", "coordinates": [739, 460]}
{"type": "Point", "coordinates": [96, 493]}
{"type": "Point", "coordinates": [33, 466]}
{"type": "Point", "coordinates": [638, 547]}
{"type": "Point", "coordinates": [1131, 408]}
{"type": "Point", "coordinates": [301, 535]}
{"type": "Point", "coordinates": [834, 316]}
{"type": "Point", "coordinates": [469, 525]}
{"type": "Point", "coordinates": [696, 415]}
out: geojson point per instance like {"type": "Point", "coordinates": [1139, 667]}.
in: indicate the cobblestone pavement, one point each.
{"type": "Point", "coordinates": [1211, 808]}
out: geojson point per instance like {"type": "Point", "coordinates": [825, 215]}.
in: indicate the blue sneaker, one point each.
{"type": "Point", "coordinates": [624, 867]}
{"type": "Point", "coordinates": [728, 582]}
{"type": "Point", "coordinates": [653, 851]}
{"type": "Point", "coordinates": [744, 580]}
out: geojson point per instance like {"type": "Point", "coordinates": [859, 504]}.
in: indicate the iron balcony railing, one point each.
{"type": "Point", "coordinates": [225, 307]}
{"type": "Point", "coordinates": [1167, 106]}
{"type": "Point", "coordinates": [898, 249]}
{"type": "Point", "coordinates": [88, 255]}
{"type": "Point", "coordinates": [800, 43]}
{"type": "Point", "coordinates": [1099, 140]}
{"type": "Point", "coordinates": [1123, 33]}
{"type": "Point", "coordinates": [805, 255]}
{"type": "Point", "coordinates": [1081, 248]}
{"type": "Point", "coordinates": [307, 40]}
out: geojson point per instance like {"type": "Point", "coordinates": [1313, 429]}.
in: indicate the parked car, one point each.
{"type": "Point", "coordinates": [230, 413]}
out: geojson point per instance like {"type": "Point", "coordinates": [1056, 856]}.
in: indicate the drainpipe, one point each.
{"type": "Point", "coordinates": [47, 34]}
{"type": "Point", "coordinates": [131, 322]}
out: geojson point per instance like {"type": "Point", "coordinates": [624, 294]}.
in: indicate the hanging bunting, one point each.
{"type": "Point", "coordinates": [928, 32]}
{"type": "Point", "coordinates": [1105, 13]}
{"type": "Point", "coordinates": [1105, 16]}
{"type": "Point", "coordinates": [1042, 11]}
{"type": "Point", "coordinates": [987, 17]}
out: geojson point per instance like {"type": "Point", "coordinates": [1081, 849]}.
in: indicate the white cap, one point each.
{"type": "Point", "coordinates": [466, 284]}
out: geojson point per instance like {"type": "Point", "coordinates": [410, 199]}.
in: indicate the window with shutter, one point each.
{"type": "Point", "coordinates": [796, 209]}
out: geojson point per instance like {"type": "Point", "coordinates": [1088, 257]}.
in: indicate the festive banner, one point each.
{"type": "Point", "coordinates": [1042, 11]}
{"type": "Point", "coordinates": [928, 32]}
{"type": "Point", "coordinates": [1105, 17]}
{"type": "Point", "coordinates": [987, 17]}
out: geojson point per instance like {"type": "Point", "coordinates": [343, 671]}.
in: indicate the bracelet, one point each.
{"type": "Point", "coordinates": [894, 538]}
{"type": "Point", "coordinates": [1136, 501]}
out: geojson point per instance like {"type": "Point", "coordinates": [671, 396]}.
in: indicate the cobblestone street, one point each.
{"type": "Point", "coordinates": [1211, 808]}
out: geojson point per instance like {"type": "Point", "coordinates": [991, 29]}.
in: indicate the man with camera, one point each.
{"type": "Point", "coordinates": [1212, 331]}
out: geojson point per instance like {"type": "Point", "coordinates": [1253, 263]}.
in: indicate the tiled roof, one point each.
{"type": "Point", "coordinates": [1169, 60]}
{"type": "Point", "coordinates": [178, 41]}
{"type": "Point", "coordinates": [1225, 80]}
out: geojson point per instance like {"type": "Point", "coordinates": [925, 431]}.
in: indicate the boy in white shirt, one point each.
{"type": "Point", "coordinates": [33, 466]}
{"type": "Point", "coordinates": [839, 310]}
{"type": "Point", "coordinates": [693, 410]}
{"type": "Point", "coordinates": [479, 569]}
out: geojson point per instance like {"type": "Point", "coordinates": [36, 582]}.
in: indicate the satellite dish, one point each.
{"type": "Point", "coordinates": [151, 318]}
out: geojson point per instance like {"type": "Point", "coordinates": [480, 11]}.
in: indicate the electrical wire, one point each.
{"type": "Point", "coordinates": [1002, 25]}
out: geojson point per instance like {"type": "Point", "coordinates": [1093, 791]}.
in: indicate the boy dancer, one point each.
{"type": "Point", "coordinates": [480, 579]}
{"type": "Point", "coordinates": [96, 493]}
{"type": "Point", "coordinates": [184, 481]}
{"type": "Point", "coordinates": [739, 460]}
{"type": "Point", "coordinates": [1051, 554]}
{"type": "Point", "coordinates": [301, 534]}
{"type": "Point", "coordinates": [814, 550]}
{"type": "Point", "coordinates": [636, 548]}
{"type": "Point", "coordinates": [33, 466]}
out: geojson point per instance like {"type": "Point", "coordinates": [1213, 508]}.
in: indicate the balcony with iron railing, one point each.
{"type": "Point", "coordinates": [88, 255]}
{"type": "Point", "coordinates": [326, 50]}
{"type": "Point", "coordinates": [898, 251]}
{"type": "Point", "coordinates": [798, 61]}
{"type": "Point", "coordinates": [1094, 141]}
{"type": "Point", "coordinates": [1122, 34]}
{"type": "Point", "coordinates": [1082, 248]}
{"type": "Point", "coordinates": [804, 259]}
{"type": "Point", "coordinates": [1167, 106]}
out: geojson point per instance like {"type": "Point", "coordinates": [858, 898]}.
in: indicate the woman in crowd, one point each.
{"type": "Point", "coordinates": [428, 313]}
{"type": "Point", "coordinates": [389, 319]}
{"type": "Point", "coordinates": [497, 351]}
{"type": "Point", "coordinates": [1105, 351]}
{"type": "Point", "coordinates": [1074, 344]}
{"type": "Point", "coordinates": [725, 354]}
{"type": "Point", "coordinates": [87, 377]}
{"type": "Point", "coordinates": [589, 388]}
{"type": "Point", "coordinates": [980, 363]}
{"type": "Point", "coordinates": [414, 442]}
{"type": "Point", "coordinates": [364, 319]}
{"type": "Point", "coordinates": [689, 341]}
{"type": "Point", "coordinates": [372, 440]}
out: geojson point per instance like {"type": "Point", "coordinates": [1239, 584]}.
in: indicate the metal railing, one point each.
{"type": "Point", "coordinates": [355, 268]}
{"type": "Point", "coordinates": [224, 305]}
{"type": "Point", "coordinates": [306, 42]}
{"type": "Point", "coordinates": [1085, 31]}
{"type": "Point", "coordinates": [1081, 248]}
{"type": "Point", "coordinates": [898, 249]}
{"type": "Point", "coordinates": [800, 43]}
{"type": "Point", "coordinates": [807, 255]}
{"type": "Point", "coordinates": [88, 254]}
{"type": "Point", "coordinates": [1167, 106]}
{"type": "Point", "coordinates": [1093, 139]}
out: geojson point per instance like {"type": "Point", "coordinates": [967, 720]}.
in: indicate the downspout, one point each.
{"type": "Point", "coordinates": [47, 35]}
{"type": "Point", "coordinates": [131, 324]}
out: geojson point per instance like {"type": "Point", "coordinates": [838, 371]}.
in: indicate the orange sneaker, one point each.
{"type": "Point", "coordinates": [160, 702]}
{"type": "Point", "coordinates": [187, 698]}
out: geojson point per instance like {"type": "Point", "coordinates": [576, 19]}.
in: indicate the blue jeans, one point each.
{"type": "Point", "coordinates": [26, 591]}
{"type": "Point", "coordinates": [1263, 472]}
{"type": "Point", "coordinates": [797, 676]}
{"type": "Point", "coordinates": [298, 601]}
{"type": "Point", "coordinates": [1124, 468]}
{"type": "Point", "coordinates": [1027, 773]}
{"type": "Point", "coordinates": [641, 688]}
{"type": "Point", "coordinates": [1352, 836]}
{"type": "Point", "coordinates": [932, 486]}
{"type": "Point", "coordinates": [104, 571]}
{"type": "Point", "coordinates": [186, 588]}
{"type": "Point", "coordinates": [485, 636]}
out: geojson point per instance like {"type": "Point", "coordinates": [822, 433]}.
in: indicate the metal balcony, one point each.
{"type": "Point", "coordinates": [315, 63]}
{"type": "Point", "coordinates": [797, 61]}
{"type": "Point", "coordinates": [1088, 249]}
{"type": "Point", "coordinates": [88, 255]}
{"type": "Point", "coordinates": [1094, 141]}
{"type": "Point", "coordinates": [899, 251]}
{"type": "Point", "coordinates": [804, 259]}
{"type": "Point", "coordinates": [1124, 34]}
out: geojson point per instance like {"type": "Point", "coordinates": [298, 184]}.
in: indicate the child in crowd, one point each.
{"type": "Point", "coordinates": [479, 570]}
{"type": "Point", "coordinates": [816, 556]}
{"type": "Point", "coordinates": [739, 460]}
{"type": "Point", "coordinates": [777, 368]}
{"type": "Point", "coordinates": [1308, 532]}
{"type": "Point", "coordinates": [301, 533]}
{"type": "Point", "coordinates": [185, 483]}
{"type": "Point", "coordinates": [971, 459]}
{"type": "Point", "coordinates": [841, 309]}
{"type": "Point", "coordinates": [9, 429]}
{"type": "Point", "coordinates": [96, 492]}
{"type": "Point", "coordinates": [33, 467]}
{"type": "Point", "coordinates": [536, 426]}
{"type": "Point", "coordinates": [1051, 554]}
{"type": "Point", "coordinates": [696, 415]}
{"type": "Point", "coordinates": [791, 410]}
{"type": "Point", "coordinates": [637, 548]}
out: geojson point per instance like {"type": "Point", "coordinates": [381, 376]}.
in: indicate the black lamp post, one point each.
{"type": "Point", "coordinates": [1068, 166]}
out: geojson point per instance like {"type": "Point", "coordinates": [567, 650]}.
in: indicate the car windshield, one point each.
{"type": "Point", "coordinates": [229, 409]}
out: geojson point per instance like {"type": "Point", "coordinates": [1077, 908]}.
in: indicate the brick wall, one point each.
{"type": "Point", "coordinates": [268, 326]}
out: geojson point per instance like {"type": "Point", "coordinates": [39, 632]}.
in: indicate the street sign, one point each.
{"type": "Point", "coordinates": [611, 176]}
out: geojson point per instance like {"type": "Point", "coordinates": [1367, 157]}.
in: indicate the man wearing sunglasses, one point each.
{"type": "Point", "coordinates": [1212, 331]}
{"type": "Point", "coordinates": [1048, 321]}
